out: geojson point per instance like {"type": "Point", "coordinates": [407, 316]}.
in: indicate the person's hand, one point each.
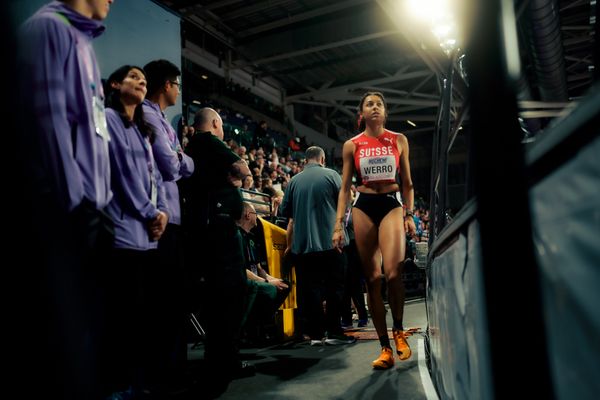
{"type": "Point", "coordinates": [338, 240]}
{"type": "Point", "coordinates": [278, 283]}
{"type": "Point", "coordinates": [158, 225]}
{"type": "Point", "coordinates": [409, 226]}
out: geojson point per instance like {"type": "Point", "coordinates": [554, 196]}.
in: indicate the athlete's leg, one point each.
{"type": "Point", "coordinates": [392, 243]}
{"type": "Point", "coordinates": [366, 237]}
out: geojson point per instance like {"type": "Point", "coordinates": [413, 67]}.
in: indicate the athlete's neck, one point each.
{"type": "Point", "coordinates": [374, 131]}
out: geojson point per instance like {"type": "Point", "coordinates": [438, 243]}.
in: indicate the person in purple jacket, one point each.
{"type": "Point", "coordinates": [164, 86]}
{"type": "Point", "coordinates": [66, 162]}
{"type": "Point", "coordinates": [139, 210]}
{"type": "Point", "coordinates": [63, 89]}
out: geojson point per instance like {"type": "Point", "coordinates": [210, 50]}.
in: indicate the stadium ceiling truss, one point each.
{"type": "Point", "coordinates": [327, 53]}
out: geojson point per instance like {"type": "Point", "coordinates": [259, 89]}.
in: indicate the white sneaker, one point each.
{"type": "Point", "coordinates": [340, 339]}
{"type": "Point", "coordinates": [317, 342]}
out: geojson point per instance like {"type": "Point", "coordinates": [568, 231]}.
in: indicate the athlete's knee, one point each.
{"type": "Point", "coordinates": [393, 278]}
{"type": "Point", "coordinates": [374, 281]}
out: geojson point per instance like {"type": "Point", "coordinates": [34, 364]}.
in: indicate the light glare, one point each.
{"type": "Point", "coordinates": [429, 10]}
{"type": "Point", "coordinates": [438, 16]}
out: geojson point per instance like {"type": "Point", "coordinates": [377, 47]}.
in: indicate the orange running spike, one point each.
{"type": "Point", "coordinates": [385, 359]}
{"type": "Point", "coordinates": [402, 347]}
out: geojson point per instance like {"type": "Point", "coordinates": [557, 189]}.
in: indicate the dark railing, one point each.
{"type": "Point", "coordinates": [445, 133]}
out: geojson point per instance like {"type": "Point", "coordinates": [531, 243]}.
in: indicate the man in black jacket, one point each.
{"type": "Point", "coordinates": [213, 203]}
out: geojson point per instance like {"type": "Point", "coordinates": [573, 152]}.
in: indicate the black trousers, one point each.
{"type": "Point", "coordinates": [223, 268]}
{"type": "Point", "coordinates": [130, 336]}
{"type": "Point", "coordinates": [65, 258]}
{"type": "Point", "coordinates": [320, 276]}
{"type": "Point", "coordinates": [353, 289]}
{"type": "Point", "coordinates": [170, 315]}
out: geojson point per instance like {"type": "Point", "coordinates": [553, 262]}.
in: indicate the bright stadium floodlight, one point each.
{"type": "Point", "coordinates": [428, 10]}
{"type": "Point", "coordinates": [438, 16]}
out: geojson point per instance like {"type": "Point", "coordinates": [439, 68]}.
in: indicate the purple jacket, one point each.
{"type": "Point", "coordinates": [132, 164]}
{"type": "Point", "coordinates": [60, 80]}
{"type": "Point", "coordinates": [166, 147]}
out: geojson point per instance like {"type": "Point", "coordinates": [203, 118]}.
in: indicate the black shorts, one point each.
{"type": "Point", "coordinates": [377, 205]}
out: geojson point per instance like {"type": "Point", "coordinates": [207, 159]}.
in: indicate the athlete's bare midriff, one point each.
{"type": "Point", "coordinates": [378, 188]}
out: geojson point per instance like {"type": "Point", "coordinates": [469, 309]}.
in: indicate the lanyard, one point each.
{"type": "Point", "coordinates": [150, 163]}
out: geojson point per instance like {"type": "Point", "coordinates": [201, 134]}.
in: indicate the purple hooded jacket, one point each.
{"type": "Point", "coordinates": [132, 163]}
{"type": "Point", "coordinates": [60, 84]}
{"type": "Point", "coordinates": [166, 147]}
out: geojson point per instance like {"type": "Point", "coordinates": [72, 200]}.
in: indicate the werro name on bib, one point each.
{"type": "Point", "coordinates": [378, 168]}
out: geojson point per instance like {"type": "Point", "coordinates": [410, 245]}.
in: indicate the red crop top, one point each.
{"type": "Point", "coordinates": [377, 159]}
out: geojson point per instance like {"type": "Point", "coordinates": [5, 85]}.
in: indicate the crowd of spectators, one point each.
{"type": "Point", "coordinates": [273, 157]}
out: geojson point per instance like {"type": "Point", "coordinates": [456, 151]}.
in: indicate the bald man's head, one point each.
{"type": "Point", "coordinates": [208, 120]}
{"type": "Point", "coordinates": [249, 217]}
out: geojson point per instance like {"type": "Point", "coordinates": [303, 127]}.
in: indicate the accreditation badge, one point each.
{"type": "Point", "coordinates": [100, 118]}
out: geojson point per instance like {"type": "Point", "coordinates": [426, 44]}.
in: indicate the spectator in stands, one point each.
{"type": "Point", "coordinates": [64, 149]}
{"type": "Point", "coordinates": [267, 184]}
{"type": "Point", "coordinates": [425, 235]}
{"type": "Point", "coordinates": [248, 184]}
{"type": "Point", "coordinates": [241, 151]}
{"type": "Point", "coordinates": [276, 201]}
{"type": "Point", "coordinates": [295, 169]}
{"type": "Point", "coordinates": [418, 224]}
{"type": "Point", "coordinates": [251, 155]}
{"type": "Point", "coordinates": [164, 86]}
{"type": "Point", "coordinates": [275, 198]}
{"type": "Point", "coordinates": [258, 166]}
{"type": "Point", "coordinates": [294, 144]}
{"type": "Point", "coordinates": [380, 222]}
{"type": "Point", "coordinates": [265, 293]}
{"type": "Point", "coordinates": [273, 161]}
{"type": "Point", "coordinates": [310, 203]}
{"type": "Point", "coordinates": [140, 211]}
{"type": "Point", "coordinates": [214, 205]}
{"type": "Point", "coordinates": [257, 182]}
{"type": "Point", "coordinates": [274, 176]}
{"type": "Point", "coordinates": [283, 163]}
{"type": "Point", "coordinates": [188, 131]}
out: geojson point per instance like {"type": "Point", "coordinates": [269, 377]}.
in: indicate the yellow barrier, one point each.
{"type": "Point", "coordinates": [275, 244]}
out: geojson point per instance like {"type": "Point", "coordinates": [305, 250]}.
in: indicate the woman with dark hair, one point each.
{"type": "Point", "coordinates": [140, 214]}
{"type": "Point", "coordinates": [139, 198]}
{"type": "Point", "coordinates": [380, 159]}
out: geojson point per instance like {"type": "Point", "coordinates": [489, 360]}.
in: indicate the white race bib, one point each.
{"type": "Point", "coordinates": [380, 168]}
